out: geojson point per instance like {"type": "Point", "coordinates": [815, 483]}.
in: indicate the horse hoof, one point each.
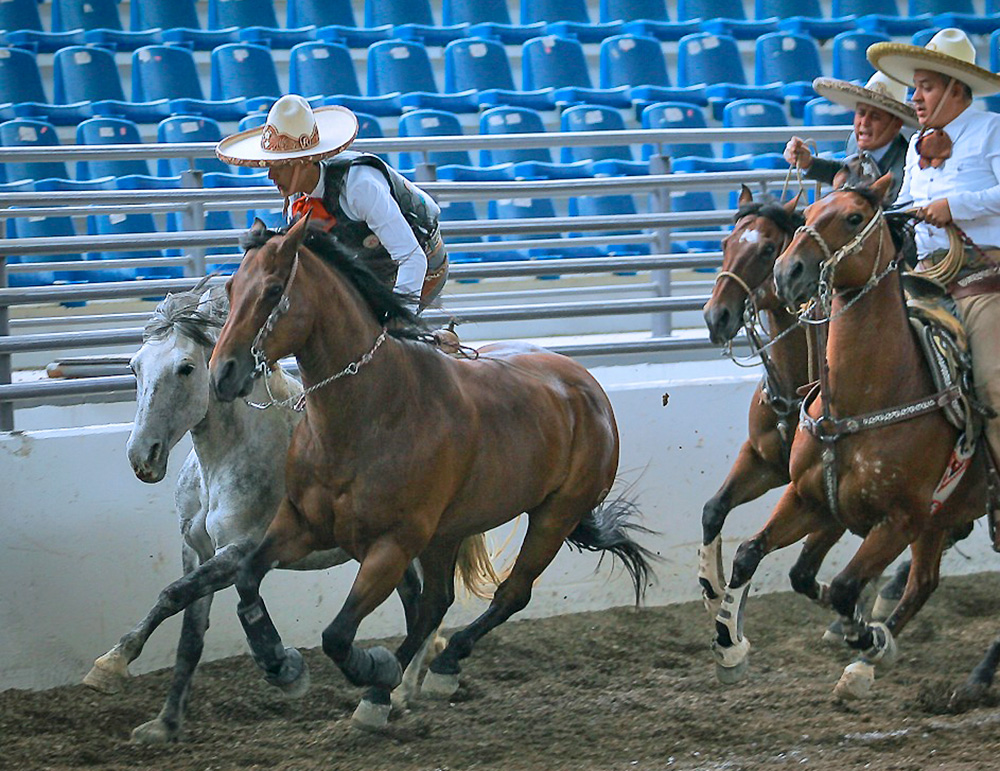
{"type": "Point", "coordinates": [154, 731]}
{"type": "Point", "coordinates": [293, 679]}
{"type": "Point", "coordinates": [370, 716]}
{"type": "Point", "coordinates": [732, 675]}
{"type": "Point", "coordinates": [882, 608]}
{"type": "Point", "coordinates": [439, 687]}
{"type": "Point", "coordinates": [887, 652]}
{"type": "Point", "coordinates": [834, 634]}
{"type": "Point", "coordinates": [856, 682]}
{"type": "Point", "coordinates": [108, 675]}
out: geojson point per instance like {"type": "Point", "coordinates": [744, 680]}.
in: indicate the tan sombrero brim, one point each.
{"type": "Point", "coordinates": [848, 95]}
{"type": "Point", "coordinates": [899, 61]}
{"type": "Point", "coordinates": [337, 128]}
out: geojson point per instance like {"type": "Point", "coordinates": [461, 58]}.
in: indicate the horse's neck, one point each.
{"type": "Point", "coordinates": [790, 354]}
{"type": "Point", "coordinates": [873, 358]}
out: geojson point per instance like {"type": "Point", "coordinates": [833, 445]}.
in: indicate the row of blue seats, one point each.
{"type": "Point", "coordinates": [400, 76]}
{"type": "Point", "coordinates": [452, 164]}
{"type": "Point", "coordinates": [98, 21]}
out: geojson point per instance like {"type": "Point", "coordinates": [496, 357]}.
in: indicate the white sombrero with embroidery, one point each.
{"type": "Point", "coordinates": [880, 91]}
{"type": "Point", "coordinates": [949, 52]}
{"type": "Point", "coordinates": [293, 133]}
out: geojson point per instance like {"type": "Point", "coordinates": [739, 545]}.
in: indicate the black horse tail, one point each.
{"type": "Point", "coordinates": [609, 528]}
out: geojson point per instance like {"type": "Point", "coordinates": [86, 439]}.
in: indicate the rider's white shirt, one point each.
{"type": "Point", "coordinates": [970, 180]}
{"type": "Point", "coordinates": [366, 198]}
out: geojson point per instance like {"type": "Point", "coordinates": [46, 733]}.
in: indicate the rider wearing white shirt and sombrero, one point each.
{"type": "Point", "coordinates": [952, 175]}
{"type": "Point", "coordinates": [366, 204]}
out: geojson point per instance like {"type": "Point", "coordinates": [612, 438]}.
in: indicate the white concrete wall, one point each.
{"type": "Point", "coordinates": [85, 547]}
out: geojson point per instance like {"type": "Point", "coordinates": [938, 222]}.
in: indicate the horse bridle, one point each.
{"type": "Point", "coordinates": [262, 367]}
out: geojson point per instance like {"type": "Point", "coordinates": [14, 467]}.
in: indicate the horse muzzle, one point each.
{"type": "Point", "coordinates": [148, 462]}
{"type": "Point", "coordinates": [723, 321]}
{"type": "Point", "coordinates": [796, 279]}
{"type": "Point", "coordinates": [231, 379]}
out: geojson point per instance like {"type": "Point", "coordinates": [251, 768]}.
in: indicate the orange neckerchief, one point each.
{"type": "Point", "coordinates": [934, 148]}
{"type": "Point", "coordinates": [320, 215]}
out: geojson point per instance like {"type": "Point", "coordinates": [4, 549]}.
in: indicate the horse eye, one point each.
{"type": "Point", "coordinates": [854, 219]}
{"type": "Point", "coordinates": [767, 250]}
{"type": "Point", "coordinates": [185, 369]}
{"type": "Point", "coordinates": [273, 291]}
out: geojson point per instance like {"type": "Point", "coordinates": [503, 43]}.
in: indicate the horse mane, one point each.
{"type": "Point", "coordinates": [388, 307]}
{"type": "Point", "coordinates": [191, 314]}
{"type": "Point", "coordinates": [774, 211]}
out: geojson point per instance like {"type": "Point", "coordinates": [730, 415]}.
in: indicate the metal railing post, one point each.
{"type": "Point", "coordinates": [426, 172]}
{"type": "Point", "coordinates": [193, 218]}
{"type": "Point", "coordinates": [662, 323]}
{"type": "Point", "coordinates": [6, 408]}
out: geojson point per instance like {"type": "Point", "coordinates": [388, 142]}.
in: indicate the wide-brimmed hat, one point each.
{"type": "Point", "coordinates": [949, 52]}
{"type": "Point", "coordinates": [293, 133]}
{"type": "Point", "coordinates": [880, 91]}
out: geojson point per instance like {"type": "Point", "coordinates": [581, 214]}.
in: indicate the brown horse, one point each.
{"type": "Point", "coordinates": [886, 485]}
{"type": "Point", "coordinates": [405, 451]}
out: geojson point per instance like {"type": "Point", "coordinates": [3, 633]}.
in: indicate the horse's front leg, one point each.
{"type": "Point", "coordinates": [792, 519]}
{"type": "Point", "coordinates": [874, 640]}
{"type": "Point", "coordinates": [749, 478]}
{"type": "Point", "coordinates": [217, 572]}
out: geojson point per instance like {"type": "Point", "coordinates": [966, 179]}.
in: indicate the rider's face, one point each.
{"type": "Point", "coordinates": [292, 178]}
{"type": "Point", "coordinates": [936, 93]}
{"type": "Point", "coordinates": [874, 128]}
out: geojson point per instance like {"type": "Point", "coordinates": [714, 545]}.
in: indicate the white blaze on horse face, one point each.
{"type": "Point", "coordinates": [749, 237]}
{"type": "Point", "coordinates": [172, 392]}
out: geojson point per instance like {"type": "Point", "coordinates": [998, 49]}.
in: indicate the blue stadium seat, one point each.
{"type": "Point", "coordinates": [431, 123]}
{"type": "Point", "coordinates": [724, 17]}
{"type": "Point", "coordinates": [170, 72]}
{"type": "Point", "coordinates": [101, 24]}
{"type": "Point", "coordinates": [20, 79]}
{"type": "Point", "coordinates": [188, 128]}
{"type": "Point", "coordinates": [822, 112]}
{"type": "Point", "coordinates": [461, 211]}
{"type": "Point", "coordinates": [961, 14]}
{"type": "Point", "coordinates": [791, 60]}
{"type": "Point", "coordinates": [880, 16]}
{"type": "Point", "coordinates": [714, 62]}
{"type": "Point", "coordinates": [482, 65]}
{"type": "Point", "coordinates": [489, 19]}
{"type": "Point", "coordinates": [693, 164]}
{"type": "Point", "coordinates": [668, 115]}
{"type": "Point", "coordinates": [752, 113]}
{"type": "Point", "coordinates": [849, 59]}
{"type": "Point", "coordinates": [560, 63]}
{"type": "Point", "coordinates": [694, 201]}
{"type": "Point", "coordinates": [411, 20]}
{"type": "Point", "coordinates": [638, 62]}
{"type": "Point", "coordinates": [140, 223]}
{"type": "Point", "coordinates": [245, 70]}
{"type": "Point", "coordinates": [543, 170]}
{"type": "Point", "coordinates": [803, 16]}
{"type": "Point", "coordinates": [646, 17]}
{"type": "Point", "coordinates": [404, 66]}
{"type": "Point", "coordinates": [607, 206]}
{"type": "Point", "coordinates": [23, 25]}
{"type": "Point", "coordinates": [38, 227]}
{"type": "Point", "coordinates": [502, 172]}
{"type": "Point", "coordinates": [109, 131]}
{"type": "Point", "coordinates": [525, 208]}
{"type": "Point", "coordinates": [319, 13]}
{"type": "Point", "coordinates": [23, 132]}
{"type": "Point", "coordinates": [320, 68]}
{"type": "Point", "coordinates": [587, 117]}
{"type": "Point", "coordinates": [257, 22]}
{"type": "Point", "coordinates": [512, 120]}
{"type": "Point", "coordinates": [180, 24]}
{"type": "Point", "coordinates": [86, 83]}
{"type": "Point", "coordinates": [923, 37]}
{"type": "Point", "coordinates": [567, 18]}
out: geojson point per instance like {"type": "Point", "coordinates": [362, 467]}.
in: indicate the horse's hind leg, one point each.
{"type": "Point", "coordinates": [215, 573]}
{"type": "Point", "coordinates": [972, 691]}
{"type": "Point", "coordinates": [750, 477]}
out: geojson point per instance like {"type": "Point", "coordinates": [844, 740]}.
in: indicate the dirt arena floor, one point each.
{"type": "Point", "coordinates": [621, 689]}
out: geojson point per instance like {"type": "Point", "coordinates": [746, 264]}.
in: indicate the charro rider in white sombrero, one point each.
{"type": "Point", "coordinates": [953, 176]}
{"type": "Point", "coordinates": [372, 209]}
{"type": "Point", "coordinates": [880, 112]}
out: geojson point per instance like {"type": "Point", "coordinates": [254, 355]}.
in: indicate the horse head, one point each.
{"type": "Point", "coordinates": [171, 377]}
{"type": "Point", "coordinates": [843, 242]}
{"type": "Point", "coordinates": [264, 322]}
{"type": "Point", "coordinates": [761, 231]}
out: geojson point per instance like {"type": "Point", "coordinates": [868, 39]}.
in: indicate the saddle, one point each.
{"type": "Point", "coordinates": [934, 318]}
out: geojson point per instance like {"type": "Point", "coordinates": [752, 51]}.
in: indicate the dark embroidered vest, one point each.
{"type": "Point", "coordinates": [357, 236]}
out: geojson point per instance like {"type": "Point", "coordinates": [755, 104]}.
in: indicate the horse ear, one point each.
{"type": "Point", "coordinates": [258, 227]}
{"type": "Point", "coordinates": [297, 232]}
{"type": "Point", "coordinates": [746, 197]}
{"type": "Point", "coordinates": [841, 177]}
{"type": "Point", "coordinates": [792, 204]}
{"type": "Point", "coordinates": [882, 185]}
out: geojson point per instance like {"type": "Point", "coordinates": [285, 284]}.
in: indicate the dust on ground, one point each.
{"type": "Point", "coordinates": [621, 689]}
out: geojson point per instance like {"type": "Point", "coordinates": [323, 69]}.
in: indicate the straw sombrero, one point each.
{"type": "Point", "coordinates": [949, 52]}
{"type": "Point", "coordinates": [880, 91]}
{"type": "Point", "coordinates": [293, 133]}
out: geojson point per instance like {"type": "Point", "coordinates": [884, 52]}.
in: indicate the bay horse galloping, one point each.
{"type": "Point", "coordinates": [405, 451]}
{"type": "Point", "coordinates": [874, 452]}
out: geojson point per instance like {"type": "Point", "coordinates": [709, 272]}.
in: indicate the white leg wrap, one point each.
{"type": "Point", "coordinates": [856, 682]}
{"type": "Point", "coordinates": [882, 608]}
{"type": "Point", "coordinates": [731, 660]}
{"type": "Point", "coordinates": [371, 716]}
{"type": "Point", "coordinates": [109, 673]}
{"type": "Point", "coordinates": [710, 571]}
{"type": "Point", "coordinates": [885, 652]}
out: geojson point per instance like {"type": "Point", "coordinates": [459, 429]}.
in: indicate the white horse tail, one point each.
{"type": "Point", "coordinates": [474, 568]}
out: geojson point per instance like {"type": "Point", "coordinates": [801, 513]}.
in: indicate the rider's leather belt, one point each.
{"type": "Point", "coordinates": [977, 278]}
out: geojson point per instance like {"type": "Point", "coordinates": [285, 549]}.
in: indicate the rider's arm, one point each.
{"type": "Point", "coordinates": [972, 204]}
{"type": "Point", "coordinates": [367, 197]}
